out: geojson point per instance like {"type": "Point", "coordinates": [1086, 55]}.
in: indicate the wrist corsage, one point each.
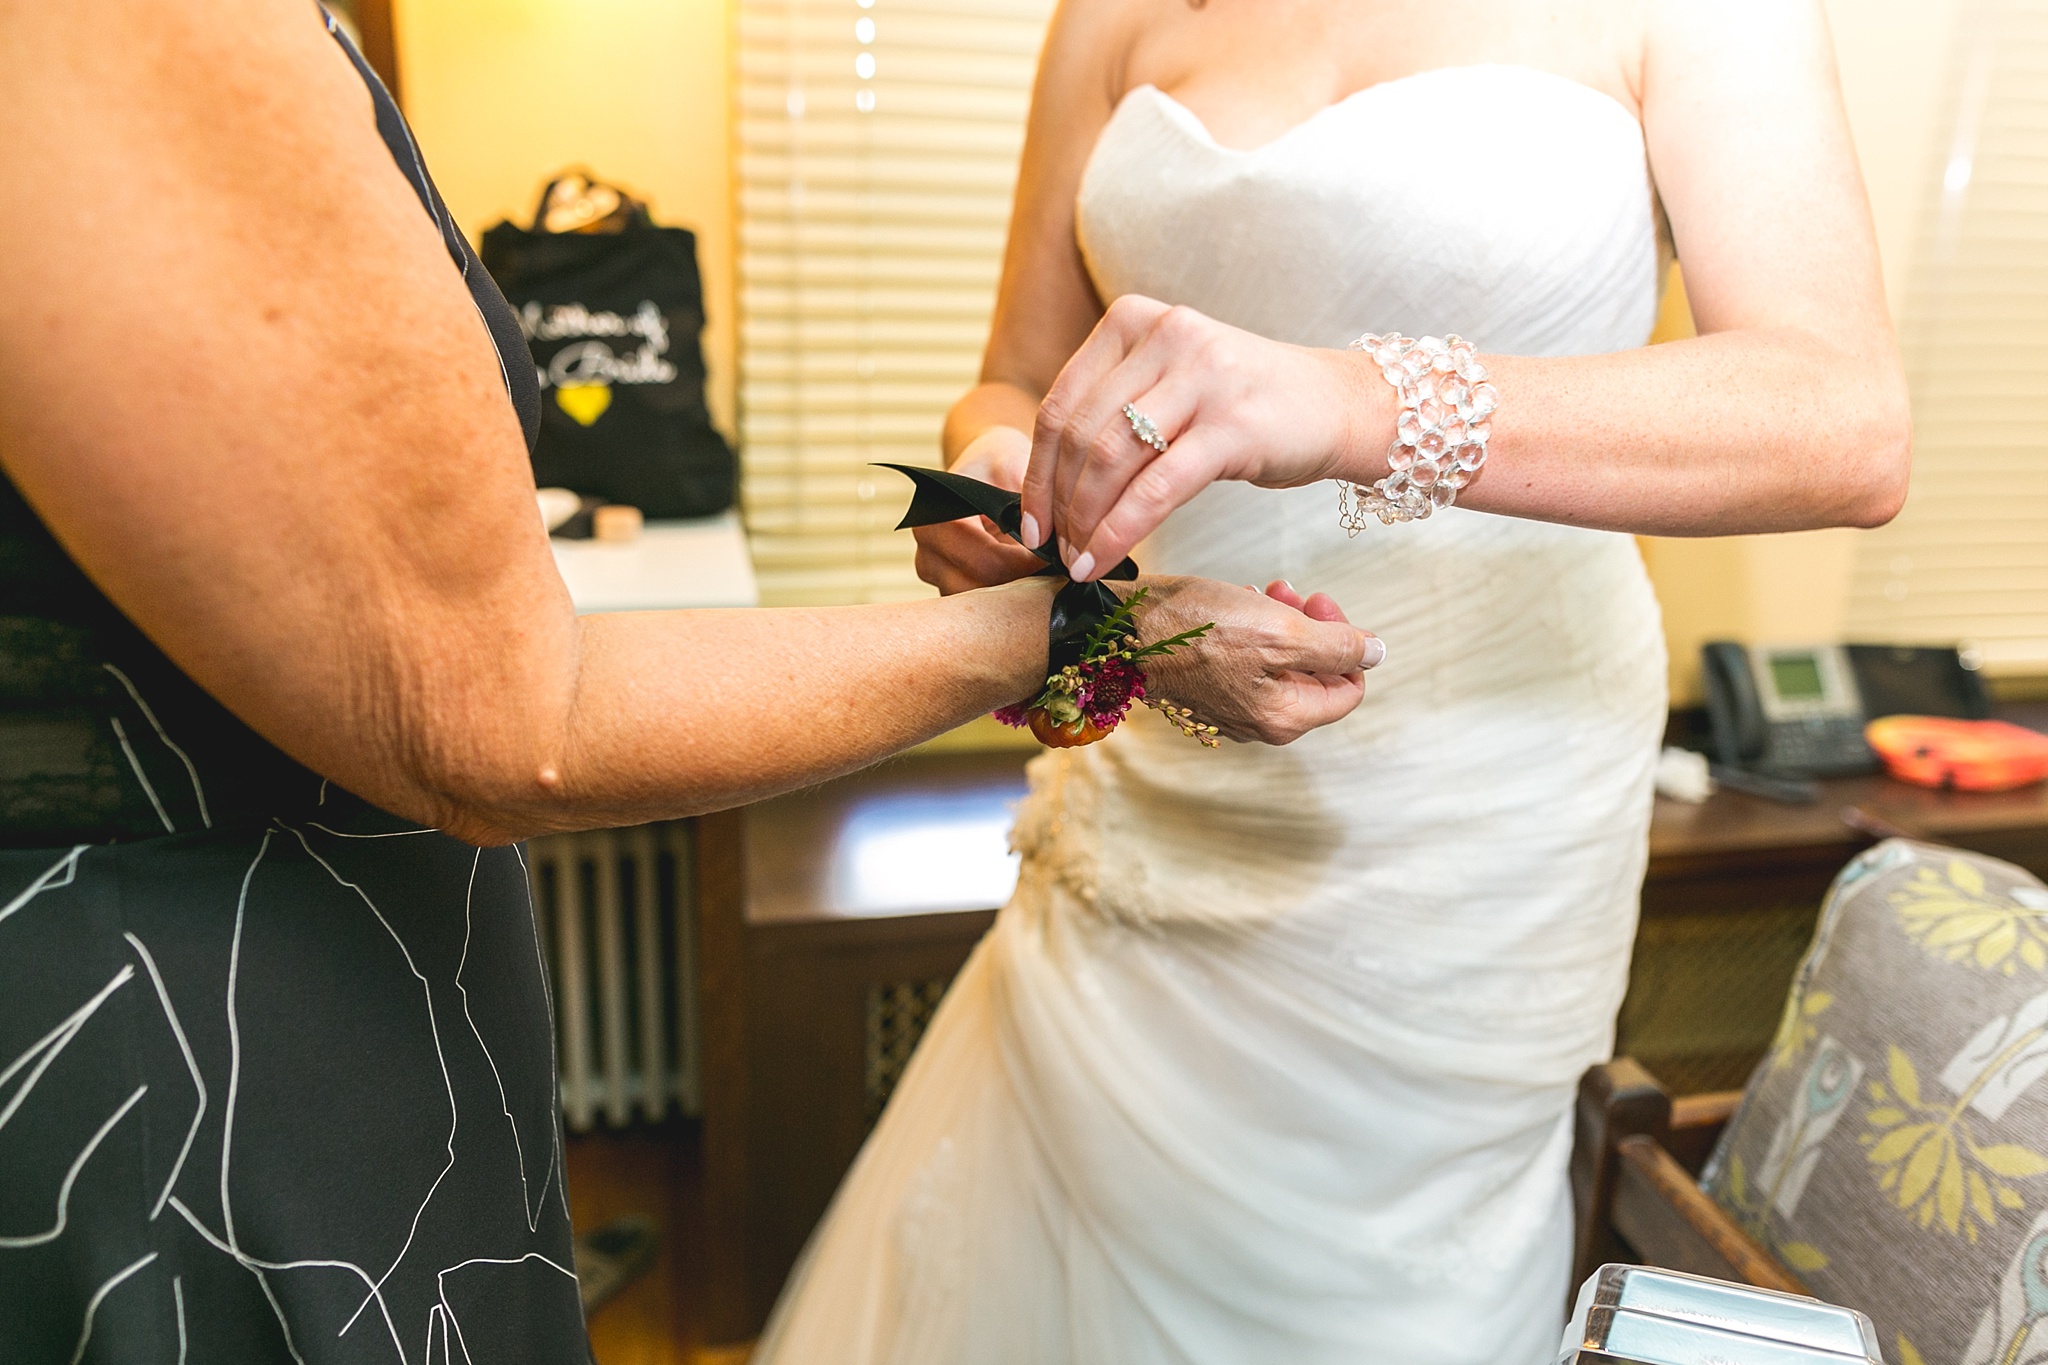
{"type": "Point", "coordinates": [1088, 698]}
{"type": "Point", "coordinates": [1092, 644]}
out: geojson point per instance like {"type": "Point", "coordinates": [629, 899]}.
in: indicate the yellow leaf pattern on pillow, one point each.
{"type": "Point", "coordinates": [1951, 913]}
{"type": "Point", "coordinates": [1798, 1026]}
{"type": "Point", "coordinates": [1928, 1155]}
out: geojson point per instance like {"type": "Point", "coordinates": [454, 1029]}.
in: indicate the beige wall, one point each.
{"type": "Point", "coordinates": [502, 92]}
{"type": "Point", "coordinates": [1795, 587]}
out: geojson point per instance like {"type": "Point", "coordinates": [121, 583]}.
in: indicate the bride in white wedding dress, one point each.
{"type": "Point", "coordinates": [1271, 1056]}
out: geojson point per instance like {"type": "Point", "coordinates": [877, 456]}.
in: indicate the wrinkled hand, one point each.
{"type": "Point", "coordinates": [955, 556]}
{"type": "Point", "coordinates": [1230, 404]}
{"type": "Point", "coordinates": [1275, 667]}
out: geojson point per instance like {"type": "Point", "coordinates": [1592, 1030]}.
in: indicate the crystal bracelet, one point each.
{"type": "Point", "coordinates": [1440, 434]}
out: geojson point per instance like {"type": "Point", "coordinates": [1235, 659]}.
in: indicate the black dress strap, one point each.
{"type": "Point", "coordinates": [520, 381]}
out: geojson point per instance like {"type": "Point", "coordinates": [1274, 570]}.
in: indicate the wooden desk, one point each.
{"type": "Point", "coordinates": [1729, 902]}
{"type": "Point", "coordinates": [817, 967]}
{"type": "Point", "coordinates": [1730, 830]}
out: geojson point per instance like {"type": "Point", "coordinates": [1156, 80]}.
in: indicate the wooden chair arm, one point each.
{"type": "Point", "coordinates": [1664, 1216]}
{"type": "Point", "coordinates": [1696, 1124]}
{"type": "Point", "coordinates": [1616, 1100]}
{"type": "Point", "coordinates": [1714, 1108]}
{"type": "Point", "coordinates": [1635, 1159]}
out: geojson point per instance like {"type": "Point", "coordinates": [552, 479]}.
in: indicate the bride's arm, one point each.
{"type": "Point", "coordinates": [1045, 305]}
{"type": "Point", "coordinates": [1787, 412]}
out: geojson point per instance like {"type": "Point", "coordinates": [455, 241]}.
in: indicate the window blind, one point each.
{"type": "Point", "coordinates": [877, 153]}
{"type": "Point", "coordinates": [1967, 560]}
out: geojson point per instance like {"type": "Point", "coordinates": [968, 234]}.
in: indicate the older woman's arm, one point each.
{"type": "Point", "coordinates": [243, 384]}
{"type": "Point", "coordinates": [1787, 412]}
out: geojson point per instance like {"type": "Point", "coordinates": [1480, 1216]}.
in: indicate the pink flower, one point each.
{"type": "Point", "coordinates": [1108, 687]}
{"type": "Point", "coordinates": [1013, 716]}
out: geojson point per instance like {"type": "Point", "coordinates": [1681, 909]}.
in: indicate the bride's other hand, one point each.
{"type": "Point", "coordinates": [1232, 405]}
{"type": "Point", "coordinates": [1275, 667]}
{"type": "Point", "coordinates": [957, 556]}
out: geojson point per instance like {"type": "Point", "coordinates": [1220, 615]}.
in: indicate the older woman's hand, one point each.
{"type": "Point", "coordinates": [1230, 404]}
{"type": "Point", "coordinates": [1275, 667]}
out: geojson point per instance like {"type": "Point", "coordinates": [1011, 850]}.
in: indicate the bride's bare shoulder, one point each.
{"type": "Point", "coordinates": [1684, 32]}
{"type": "Point", "coordinates": [1095, 42]}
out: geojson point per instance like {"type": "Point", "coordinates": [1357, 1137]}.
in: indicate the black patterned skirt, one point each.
{"type": "Point", "coordinates": [282, 1094]}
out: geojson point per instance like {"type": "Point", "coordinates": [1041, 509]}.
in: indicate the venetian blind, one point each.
{"type": "Point", "coordinates": [1967, 560]}
{"type": "Point", "coordinates": [877, 151]}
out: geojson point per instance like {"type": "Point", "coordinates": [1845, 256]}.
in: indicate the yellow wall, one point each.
{"type": "Point", "coordinates": [1788, 588]}
{"type": "Point", "coordinates": [502, 92]}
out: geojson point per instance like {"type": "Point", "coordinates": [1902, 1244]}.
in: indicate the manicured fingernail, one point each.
{"type": "Point", "coordinates": [1030, 530]}
{"type": "Point", "coordinates": [1375, 652]}
{"type": "Point", "coordinates": [1081, 568]}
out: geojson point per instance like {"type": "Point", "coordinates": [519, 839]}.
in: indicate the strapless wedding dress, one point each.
{"type": "Point", "coordinates": [1271, 1057]}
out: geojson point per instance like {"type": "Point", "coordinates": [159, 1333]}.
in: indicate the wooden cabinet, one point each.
{"type": "Point", "coordinates": [831, 922]}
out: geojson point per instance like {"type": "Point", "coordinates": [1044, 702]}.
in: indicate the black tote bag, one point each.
{"type": "Point", "coordinates": [614, 320]}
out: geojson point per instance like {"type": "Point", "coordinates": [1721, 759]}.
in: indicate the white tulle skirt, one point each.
{"type": "Point", "coordinates": [1271, 1056]}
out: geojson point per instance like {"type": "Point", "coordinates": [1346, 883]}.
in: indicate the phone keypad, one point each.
{"type": "Point", "coordinates": [1821, 747]}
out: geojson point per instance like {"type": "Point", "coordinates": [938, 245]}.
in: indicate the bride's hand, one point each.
{"type": "Point", "coordinates": [1229, 403]}
{"type": "Point", "coordinates": [955, 556]}
{"type": "Point", "coordinates": [1275, 667]}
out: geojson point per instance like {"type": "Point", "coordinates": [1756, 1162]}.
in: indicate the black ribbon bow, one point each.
{"type": "Point", "coordinates": [1077, 608]}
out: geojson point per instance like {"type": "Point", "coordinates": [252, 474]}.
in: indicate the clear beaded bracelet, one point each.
{"type": "Point", "coordinates": [1439, 437]}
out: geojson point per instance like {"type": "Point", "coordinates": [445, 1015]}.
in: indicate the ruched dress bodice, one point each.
{"type": "Point", "coordinates": [1504, 203]}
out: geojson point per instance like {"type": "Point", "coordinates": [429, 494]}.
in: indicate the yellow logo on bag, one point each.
{"type": "Point", "coordinates": [584, 402]}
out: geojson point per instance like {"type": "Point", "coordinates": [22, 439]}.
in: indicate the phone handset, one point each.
{"type": "Point", "coordinates": [1741, 730]}
{"type": "Point", "coordinates": [1733, 707]}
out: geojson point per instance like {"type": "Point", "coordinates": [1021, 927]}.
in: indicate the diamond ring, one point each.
{"type": "Point", "coordinates": [1142, 428]}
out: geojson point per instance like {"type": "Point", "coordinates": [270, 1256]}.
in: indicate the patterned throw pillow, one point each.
{"type": "Point", "coordinates": [1892, 1148]}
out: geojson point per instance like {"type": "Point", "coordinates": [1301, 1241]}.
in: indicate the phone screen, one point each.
{"type": "Point", "coordinates": [1796, 677]}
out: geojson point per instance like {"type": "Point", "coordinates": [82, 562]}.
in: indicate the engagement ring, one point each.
{"type": "Point", "coordinates": [1142, 428]}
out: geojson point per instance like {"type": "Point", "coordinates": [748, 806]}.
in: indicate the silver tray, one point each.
{"type": "Point", "coordinates": [1633, 1315]}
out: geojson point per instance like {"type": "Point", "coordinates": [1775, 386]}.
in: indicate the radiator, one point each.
{"type": "Point", "coordinates": [618, 922]}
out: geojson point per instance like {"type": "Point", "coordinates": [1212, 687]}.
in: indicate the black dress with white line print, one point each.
{"type": "Point", "coordinates": [276, 1068]}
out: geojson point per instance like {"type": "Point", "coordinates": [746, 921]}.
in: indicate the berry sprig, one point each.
{"type": "Point", "coordinates": [1088, 698]}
